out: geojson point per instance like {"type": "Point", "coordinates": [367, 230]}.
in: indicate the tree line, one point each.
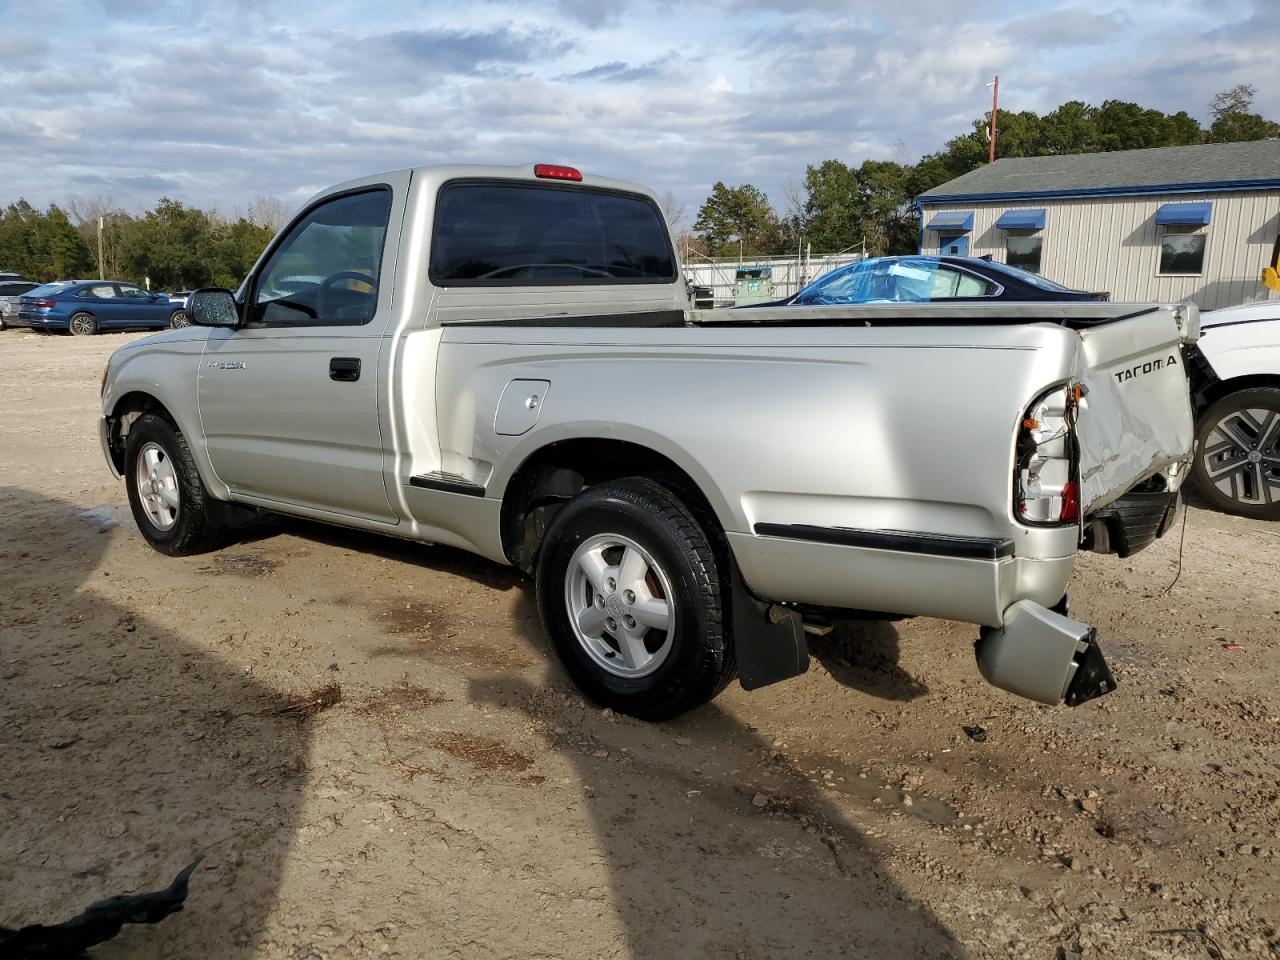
{"type": "Point", "coordinates": [174, 246]}
{"type": "Point", "coordinates": [842, 207]}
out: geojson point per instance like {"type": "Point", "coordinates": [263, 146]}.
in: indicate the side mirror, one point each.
{"type": "Point", "coordinates": [213, 307]}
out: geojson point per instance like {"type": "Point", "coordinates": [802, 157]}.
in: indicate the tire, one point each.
{"type": "Point", "coordinates": [633, 665]}
{"type": "Point", "coordinates": [82, 324]}
{"type": "Point", "coordinates": [1237, 460]}
{"type": "Point", "coordinates": [177, 516]}
{"type": "Point", "coordinates": [179, 319]}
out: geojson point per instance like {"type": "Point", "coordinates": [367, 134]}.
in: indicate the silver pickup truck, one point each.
{"type": "Point", "coordinates": [504, 360]}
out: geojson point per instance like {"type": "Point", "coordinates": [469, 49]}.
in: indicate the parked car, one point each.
{"type": "Point", "coordinates": [517, 373]}
{"type": "Point", "coordinates": [929, 279]}
{"type": "Point", "coordinates": [10, 293]}
{"type": "Point", "coordinates": [87, 306]}
{"type": "Point", "coordinates": [1235, 379]}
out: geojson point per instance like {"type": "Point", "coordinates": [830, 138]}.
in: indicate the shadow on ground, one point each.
{"type": "Point", "coordinates": [863, 655]}
{"type": "Point", "coordinates": [128, 751]}
{"type": "Point", "coordinates": [719, 848]}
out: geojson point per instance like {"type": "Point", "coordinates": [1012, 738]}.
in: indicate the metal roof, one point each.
{"type": "Point", "coordinates": [1210, 166]}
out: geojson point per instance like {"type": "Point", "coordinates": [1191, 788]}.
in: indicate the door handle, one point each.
{"type": "Point", "coordinates": [345, 369]}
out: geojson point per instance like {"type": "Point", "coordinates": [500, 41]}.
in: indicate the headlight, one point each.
{"type": "Point", "coordinates": [1046, 479]}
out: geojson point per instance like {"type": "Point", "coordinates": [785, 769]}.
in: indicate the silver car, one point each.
{"type": "Point", "coordinates": [12, 287]}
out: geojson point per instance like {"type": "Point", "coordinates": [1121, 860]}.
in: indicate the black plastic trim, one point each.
{"type": "Point", "coordinates": [902, 541]}
{"type": "Point", "coordinates": [647, 318]}
{"type": "Point", "coordinates": [447, 484]}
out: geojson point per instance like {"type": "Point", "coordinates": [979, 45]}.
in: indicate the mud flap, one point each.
{"type": "Point", "coordinates": [768, 639]}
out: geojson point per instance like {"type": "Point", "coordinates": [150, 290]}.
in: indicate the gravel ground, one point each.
{"type": "Point", "coordinates": [461, 801]}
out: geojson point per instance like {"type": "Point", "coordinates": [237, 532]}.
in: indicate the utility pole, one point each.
{"type": "Point", "coordinates": [995, 107]}
{"type": "Point", "coordinates": [102, 270]}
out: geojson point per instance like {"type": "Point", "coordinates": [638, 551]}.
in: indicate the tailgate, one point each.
{"type": "Point", "coordinates": [1135, 419]}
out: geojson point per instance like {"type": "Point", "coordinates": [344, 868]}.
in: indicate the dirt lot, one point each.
{"type": "Point", "coordinates": [462, 801]}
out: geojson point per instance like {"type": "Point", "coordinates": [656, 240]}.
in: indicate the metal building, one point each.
{"type": "Point", "coordinates": [1171, 223]}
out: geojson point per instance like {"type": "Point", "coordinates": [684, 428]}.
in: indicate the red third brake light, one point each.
{"type": "Point", "coordinates": [552, 171]}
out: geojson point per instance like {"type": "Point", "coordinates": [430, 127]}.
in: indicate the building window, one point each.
{"type": "Point", "coordinates": [1182, 254]}
{"type": "Point", "coordinates": [1023, 252]}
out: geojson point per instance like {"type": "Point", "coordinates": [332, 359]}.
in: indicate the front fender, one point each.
{"type": "Point", "coordinates": [1250, 349]}
{"type": "Point", "coordinates": [161, 370]}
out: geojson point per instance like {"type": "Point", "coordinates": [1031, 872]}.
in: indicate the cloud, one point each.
{"type": "Point", "coordinates": [283, 97]}
{"type": "Point", "coordinates": [617, 71]}
{"type": "Point", "coordinates": [1066, 28]}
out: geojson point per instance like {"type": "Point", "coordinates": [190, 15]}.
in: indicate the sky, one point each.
{"type": "Point", "coordinates": [218, 103]}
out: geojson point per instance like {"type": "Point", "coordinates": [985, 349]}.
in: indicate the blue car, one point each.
{"type": "Point", "coordinates": [87, 306]}
{"type": "Point", "coordinates": [930, 279]}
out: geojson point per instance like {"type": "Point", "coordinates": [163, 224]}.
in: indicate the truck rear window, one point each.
{"type": "Point", "coordinates": [517, 234]}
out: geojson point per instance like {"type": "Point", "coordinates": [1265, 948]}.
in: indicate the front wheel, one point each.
{"type": "Point", "coordinates": [179, 319]}
{"type": "Point", "coordinates": [1237, 462]}
{"type": "Point", "coordinates": [629, 592]}
{"type": "Point", "coordinates": [171, 507]}
{"type": "Point", "coordinates": [83, 324]}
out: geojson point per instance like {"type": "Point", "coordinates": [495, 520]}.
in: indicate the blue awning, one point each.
{"type": "Point", "coordinates": [952, 221]}
{"type": "Point", "coordinates": [1032, 218]}
{"type": "Point", "coordinates": [1184, 214]}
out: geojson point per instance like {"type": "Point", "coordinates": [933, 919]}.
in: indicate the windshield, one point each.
{"type": "Point", "coordinates": [48, 290]}
{"type": "Point", "coordinates": [1025, 276]}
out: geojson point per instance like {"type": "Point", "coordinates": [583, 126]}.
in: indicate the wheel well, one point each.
{"type": "Point", "coordinates": [128, 409]}
{"type": "Point", "coordinates": [1215, 391]}
{"type": "Point", "coordinates": [557, 473]}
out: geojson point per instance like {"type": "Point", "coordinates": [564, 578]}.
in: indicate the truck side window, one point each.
{"type": "Point", "coordinates": [324, 273]}
{"type": "Point", "coordinates": [512, 233]}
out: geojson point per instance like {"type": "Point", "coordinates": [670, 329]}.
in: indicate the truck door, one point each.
{"type": "Point", "coordinates": [289, 401]}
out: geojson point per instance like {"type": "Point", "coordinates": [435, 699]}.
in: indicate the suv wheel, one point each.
{"type": "Point", "coordinates": [629, 591]}
{"type": "Point", "coordinates": [171, 507]}
{"type": "Point", "coordinates": [1237, 462]}
{"type": "Point", "coordinates": [179, 319]}
{"type": "Point", "coordinates": [83, 324]}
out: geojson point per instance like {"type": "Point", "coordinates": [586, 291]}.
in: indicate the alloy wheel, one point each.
{"type": "Point", "coordinates": [620, 605]}
{"type": "Point", "coordinates": [157, 486]}
{"type": "Point", "coordinates": [1241, 456]}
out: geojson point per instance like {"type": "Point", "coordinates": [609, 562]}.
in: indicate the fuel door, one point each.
{"type": "Point", "coordinates": [519, 406]}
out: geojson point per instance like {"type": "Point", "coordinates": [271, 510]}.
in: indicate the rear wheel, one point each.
{"type": "Point", "coordinates": [629, 591]}
{"type": "Point", "coordinates": [1237, 463]}
{"type": "Point", "coordinates": [171, 507]}
{"type": "Point", "coordinates": [83, 324]}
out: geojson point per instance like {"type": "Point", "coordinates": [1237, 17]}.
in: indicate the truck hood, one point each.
{"type": "Point", "coordinates": [1245, 313]}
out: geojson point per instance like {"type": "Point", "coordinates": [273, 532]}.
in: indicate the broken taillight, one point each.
{"type": "Point", "coordinates": [1046, 477]}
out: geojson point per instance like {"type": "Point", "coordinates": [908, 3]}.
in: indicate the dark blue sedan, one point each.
{"type": "Point", "coordinates": [929, 279]}
{"type": "Point", "coordinates": [87, 306]}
